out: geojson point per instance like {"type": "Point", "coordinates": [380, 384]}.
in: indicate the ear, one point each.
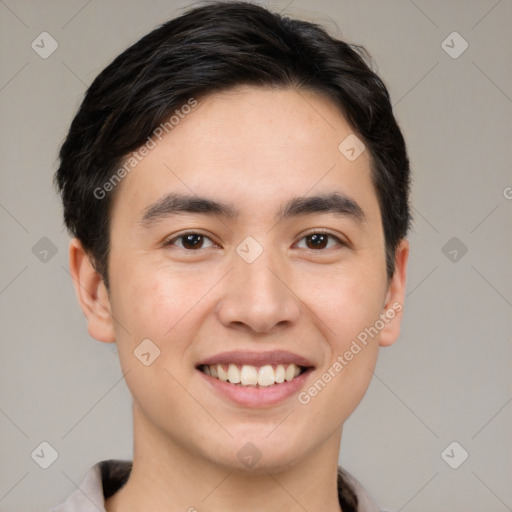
{"type": "Point", "coordinates": [394, 303]}
{"type": "Point", "coordinates": [91, 293]}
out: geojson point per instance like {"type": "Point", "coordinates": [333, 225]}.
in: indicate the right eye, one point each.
{"type": "Point", "coordinates": [190, 240]}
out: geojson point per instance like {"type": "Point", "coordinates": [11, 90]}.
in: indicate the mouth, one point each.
{"type": "Point", "coordinates": [255, 379]}
{"type": "Point", "coordinates": [252, 376]}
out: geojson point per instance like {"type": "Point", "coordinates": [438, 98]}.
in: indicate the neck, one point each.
{"type": "Point", "coordinates": [167, 476]}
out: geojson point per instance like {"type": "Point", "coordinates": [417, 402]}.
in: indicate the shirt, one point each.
{"type": "Point", "coordinates": [106, 477]}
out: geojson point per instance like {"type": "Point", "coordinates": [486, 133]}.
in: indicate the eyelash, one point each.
{"type": "Point", "coordinates": [169, 242]}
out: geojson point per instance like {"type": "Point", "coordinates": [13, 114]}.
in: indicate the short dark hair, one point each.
{"type": "Point", "coordinates": [211, 48]}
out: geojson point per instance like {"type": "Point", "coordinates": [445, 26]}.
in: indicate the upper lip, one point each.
{"type": "Point", "coordinates": [242, 357]}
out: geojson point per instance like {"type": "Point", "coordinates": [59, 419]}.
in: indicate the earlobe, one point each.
{"type": "Point", "coordinates": [91, 293]}
{"type": "Point", "coordinates": [393, 309]}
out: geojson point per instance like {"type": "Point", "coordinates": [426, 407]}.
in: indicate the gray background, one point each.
{"type": "Point", "coordinates": [448, 377]}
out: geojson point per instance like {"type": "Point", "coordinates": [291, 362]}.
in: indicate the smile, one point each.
{"type": "Point", "coordinates": [253, 376]}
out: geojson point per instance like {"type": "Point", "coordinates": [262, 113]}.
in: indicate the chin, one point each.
{"type": "Point", "coordinates": [258, 454]}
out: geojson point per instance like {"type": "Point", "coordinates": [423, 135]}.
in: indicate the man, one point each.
{"type": "Point", "coordinates": [237, 188]}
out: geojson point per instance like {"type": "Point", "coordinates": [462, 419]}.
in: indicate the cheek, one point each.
{"type": "Point", "coordinates": [346, 309]}
{"type": "Point", "coordinates": [154, 302]}
{"type": "Point", "coordinates": [347, 302]}
{"type": "Point", "coordinates": [156, 306]}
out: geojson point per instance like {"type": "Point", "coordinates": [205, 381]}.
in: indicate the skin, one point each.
{"type": "Point", "coordinates": [256, 148]}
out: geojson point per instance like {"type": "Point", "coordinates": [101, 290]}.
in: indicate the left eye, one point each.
{"type": "Point", "coordinates": [318, 240]}
{"type": "Point", "coordinates": [194, 241]}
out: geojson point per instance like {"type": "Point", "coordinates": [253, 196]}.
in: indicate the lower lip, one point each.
{"type": "Point", "coordinates": [258, 397]}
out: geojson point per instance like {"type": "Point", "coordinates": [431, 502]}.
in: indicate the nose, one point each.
{"type": "Point", "coordinates": [257, 296]}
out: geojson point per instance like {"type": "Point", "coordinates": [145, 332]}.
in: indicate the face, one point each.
{"type": "Point", "coordinates": [262, 275]}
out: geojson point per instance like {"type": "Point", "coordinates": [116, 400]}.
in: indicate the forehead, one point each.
{"type": "Point", "coordinates": [248, 145]}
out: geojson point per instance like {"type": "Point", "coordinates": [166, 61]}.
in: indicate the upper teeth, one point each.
{"type": "Point", "coordinates": [248, 375]}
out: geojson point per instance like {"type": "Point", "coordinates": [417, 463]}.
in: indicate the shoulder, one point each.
{"type": "Point", "coordinates": [101, 481]}
{"type": "Point", "coordinates": [114, 474]}
{"type": "Point", "coordinates": [352, 492]}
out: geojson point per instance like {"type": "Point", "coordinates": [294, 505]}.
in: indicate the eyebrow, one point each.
{"type": "Point", "coordinates": [176, 203]}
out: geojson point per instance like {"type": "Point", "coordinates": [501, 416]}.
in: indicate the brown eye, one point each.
{"type": "Point", "coordinates": [190, 241]}
{"type": "Point", "coordinates": [319, 240]}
